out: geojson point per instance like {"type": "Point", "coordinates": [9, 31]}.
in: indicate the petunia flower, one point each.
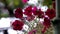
{"type": "Point", "coordinates": [28, 11]}
{"type": "Point", "coordinates": [19, 13]}
{"type": "Point", "coordinates": [51, 13]}
{"type": "Point", "coordinates": [17, 25]}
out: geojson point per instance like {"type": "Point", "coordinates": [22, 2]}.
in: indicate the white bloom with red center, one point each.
{"type": "Point", "coordinates": [44, 8]}
{"type": "Point", "coordinates": [25, 27]}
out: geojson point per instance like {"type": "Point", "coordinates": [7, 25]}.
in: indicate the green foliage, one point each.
{"type": "Point", "coordinates": [47, 2]}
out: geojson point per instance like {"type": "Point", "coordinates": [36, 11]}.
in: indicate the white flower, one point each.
{"type": "Point", "coordinates": [44, 8]}
{"type": "Point", "coordinates": [25, 27]}
{"type": "Point", "coordinates": [35, 24]}
{"type": "Point", "coordinates": [41, 20]}
{"type": "Point", "coordinates": [32, 2]}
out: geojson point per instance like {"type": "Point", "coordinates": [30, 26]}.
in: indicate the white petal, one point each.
{"type": "Point", "coordinates": [41, 20]}
{"type": "Point", "coordinates": [44, 8]}
{"type": "Point", "coordinates": [35, 24]}
{"type": "Point", "coordinates": [25, 27]}
{"type": "Point", "coordinates": [32, 2]}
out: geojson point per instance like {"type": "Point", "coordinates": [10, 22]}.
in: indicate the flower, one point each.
{"type": "Point", "coordinates": [28, 11]}
{"type": "Point", "coordinates": [44, 8]}
{"type": "Point", "coordinates": [25, 27]}
{"type": "Point", "coordinates": [51, 13]}
{"type": "Point", "coordinates": [30, 18]}
{"type": "Point", "coordinates": [24, 1]}
{"type": "Point", "coordinates": [19, 13]}
{"type": "Point", "coordinates": [34, 10]}
{"type": "Point", "coordinates": [32, 2]}
{"type": "Point", "coordinates": [40, 13]}
{"type": "Point", "coordinates": [17, 25]}
{"type": "Point", "coordinates": [32, 31]}
{"type": "Point", "coordinates": [46, 22]}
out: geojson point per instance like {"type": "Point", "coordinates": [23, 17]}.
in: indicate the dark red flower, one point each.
{"type": "Point", "coordinates": [46, 22]}
{"type": "Point", "coordinates": [19, 13]}
{"type": "Point", "coordinates": [51, 13]}
{"type": "Point", "coordinates": [28, 11]}
{"type": "Point", "coordinates": [17, 25]}
{"type": "Point", "coordinates": [40, 13]}
{"type": "Point", "coordinates": [34, 10]}
{"type": "Point", "coordinates": [30, 18]}
{"type": "Point", "coordinates": [24, 1]}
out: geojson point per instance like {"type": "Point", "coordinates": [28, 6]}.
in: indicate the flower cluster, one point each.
{"type": "Point", "coordinates": [32, 13]}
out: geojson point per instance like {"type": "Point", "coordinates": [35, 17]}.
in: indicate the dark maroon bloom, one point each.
{"type": "Point", "coordinates": [34, 10]}
{"type": "Point", "coordinates": [51, 13]}
{"type": "Point", "coordinates": [17, 25]}
{"type": "Point", "coordinates": [30, 18]}
{"type": "Point", "coordinates": [24, 1]}
{"type": "Point", "coordinates": [28, 11]}
{"type": "Point", "coordinates": [46, 22]}
{"type": "Point", "coordinates": [19, 13]}
{"type": "Point", "coordinates": [40, 13]}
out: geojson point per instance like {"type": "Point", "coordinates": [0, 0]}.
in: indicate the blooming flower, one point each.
{"type": "Point", "coordinates": [44, 8]}
{"type": "Point", "coordinates": [30, 18]}
{"type": "Point", "coordinates": [19, 13]}
{"type": "Point", "coordinates": [24, 1]}
{"type": "Point", "coordinates": [28, 11]}
{"type": "Point", "coordinates": [25, 27]}
{"type": "Point", "coordinates": [17, 25]}
{"type": "Point", "coordinates": [46, 22]}
{"type": "Point", "coordinates": [40, 13]}
{"type": "Point", "coordinates": [51, 13]}
{"type": "Point", "coordinates": [34, 10]}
